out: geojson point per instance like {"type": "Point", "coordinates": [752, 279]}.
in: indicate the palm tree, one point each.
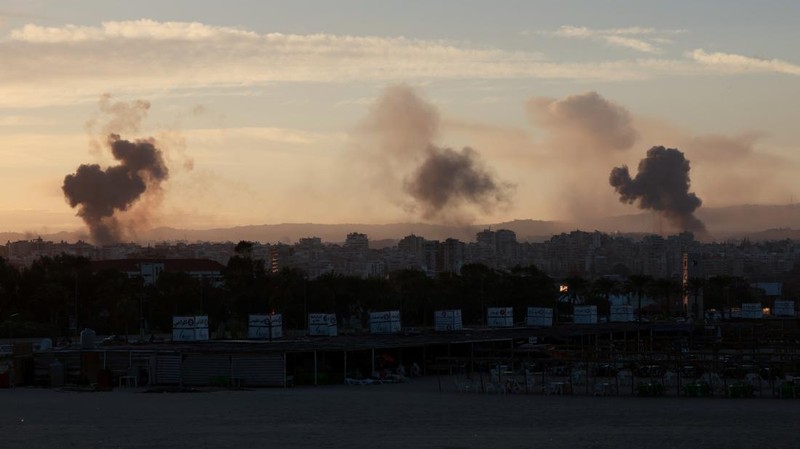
{"type": "Point", "coordinates": [719, 291]}
{"type": "Point", "coordinates": [664, 289]}
{"type": "Point", "coordinates": [603, 288]}
{"type": "Point", "coordinates": [576, 288]}
{"type": "Point", "coordinates": [637, 283]}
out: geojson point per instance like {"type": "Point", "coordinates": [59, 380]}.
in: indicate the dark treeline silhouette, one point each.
{"type": "Point", "coordinates": [50, 296]}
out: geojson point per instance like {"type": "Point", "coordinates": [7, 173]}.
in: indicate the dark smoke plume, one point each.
{"type": "Point", "coordinates": [662, 184]}
{"type": "Point", "coordinates": [99, 193]}
{"type": "Point", "coordinates": [397, 141]}
{"type": "Point", "coordinates": [448, 177]}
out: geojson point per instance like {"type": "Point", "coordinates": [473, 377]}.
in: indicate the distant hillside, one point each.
{"type": "Point", "coordinates": [722, 222]}
{"type": "Point", "coordinates": [755, 222]}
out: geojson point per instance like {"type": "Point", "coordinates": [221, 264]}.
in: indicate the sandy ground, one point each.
{"type": "Point", "coordinates": [410, 415]}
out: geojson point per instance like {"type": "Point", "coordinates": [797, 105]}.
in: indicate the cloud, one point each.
{"type": "Point", "coordinates": [635, 38]}
{"type": "Point", "coordinates": [24, 120]}
{"type": "Point", "coordinates": [269, 134]}
{"type": "Point", "coordinates": [66, 64]}
{"type": "Point", "coordinates": [136, 29]}
{"type": "Point", "coordinates": [734, 63]}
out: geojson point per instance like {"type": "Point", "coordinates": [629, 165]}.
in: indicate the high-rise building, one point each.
{"type": "Point", "coordinates": [452, 255]}
{"type": "Point", "coordinates": [356, 242]}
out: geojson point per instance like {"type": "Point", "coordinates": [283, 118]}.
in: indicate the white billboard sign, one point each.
{"type": "Point", "coordinates": [752, 310]}
{"type": "Point", "coordinates": [585, 315]}
{"type": "Point", "coordinates": [385, 322]}
{"type": "Point", "coordinates": [783, 308]}
{"type": "Point", "coordinates": [447, 320]}
{"type": "Point", "coordinates": [539, 316]}
{"type": "Point", "coordinates": [500, 317]}
{"type": "Point", "coordinates": [190, 328]}
{"type": "Point", "coordinates": [621, 314]}
{"type": "Point", "coordinates": [322, 324]}
{"type": "Point", "coordinates": [265, 327]}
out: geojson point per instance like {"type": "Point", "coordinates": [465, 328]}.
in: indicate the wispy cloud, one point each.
{"type": "Point", "coordinates": [737, 63]}
{"type": "Point", "coordinates": [23, 120]}
{"type": "Point", "coordinates": [646, 40]}
{"type": "Point", "coordinates": [62, 65]}
{"type": "Point", "coordinates": [69, 64]}
{"type": "Point", "coordinates": [270, 134]}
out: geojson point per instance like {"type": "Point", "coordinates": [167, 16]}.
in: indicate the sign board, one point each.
{"type": "Point", "coordinates": [752, 310]}
{"type": "Point", "coordinates": [621, 314]}
{"type": "Point", "coordinates": [585, 315]}
{"type": "Point", "coordinates": [190, 328]}
{"type": "Point", "coordinates": [265, 327]}
{"type": "Point", "coordinates": [783, 308]}
{"type": "Point", "coordinates": [385, 322]}
{"type": "Point", "coordinates": [500, 317]}
{"type": "Point", "coordinates": [322, 324]}
{"type": "Point", "coordinates": [539, 316]}
{"type": "Point", "coordinates": [201, 328]}
{"type": "Point", "coordinates": [447, 320]}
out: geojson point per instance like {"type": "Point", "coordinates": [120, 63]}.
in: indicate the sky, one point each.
{"type": "Point", "coordinates": [452, 112]}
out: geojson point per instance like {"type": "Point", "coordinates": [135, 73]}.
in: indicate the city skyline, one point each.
{"type": "Point", "coordinates": [455, 113]}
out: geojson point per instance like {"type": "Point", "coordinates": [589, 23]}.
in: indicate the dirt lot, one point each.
{"type": "Point", "coordinates": [410, 415]}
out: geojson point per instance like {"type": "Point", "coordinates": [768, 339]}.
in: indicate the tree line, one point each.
{"type": "Point", "coordinates": [57, 296]}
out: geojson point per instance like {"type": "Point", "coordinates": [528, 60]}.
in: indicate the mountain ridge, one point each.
{"type": "Point", "coordinates": [757, 222]}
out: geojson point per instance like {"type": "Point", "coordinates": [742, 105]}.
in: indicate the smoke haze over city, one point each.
{"type": "Point", "coordinates": [118, 121]}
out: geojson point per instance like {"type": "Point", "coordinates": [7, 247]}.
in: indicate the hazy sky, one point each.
{"type": "Point", "coordinates": [390, 111]}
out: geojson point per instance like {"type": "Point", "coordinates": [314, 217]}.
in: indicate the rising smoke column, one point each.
{"type": "Point", "coordinates": [662, 184]}
{"type": "Point", "coordinates": [581, 132]}
{"type": "Point", "coordinates": [398, 142]}
{"type": "Point", "coordinates": [100, 193]}
{"type": "Point", "coordinates": [584, 122]}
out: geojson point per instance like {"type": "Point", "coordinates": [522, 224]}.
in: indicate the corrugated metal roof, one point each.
{"type": "Point", "coordinates": [370, 341]}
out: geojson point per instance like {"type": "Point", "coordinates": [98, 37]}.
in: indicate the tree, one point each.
{"type": "Point", "coordinates": [478, 284]}
{"type": "Point", "coordinates": [9, 289]}
{"type": "Point", "coordinates": [637, 284]}
{"type": "Point", "coordinates": [414, 290]}
{"type": "Point", "coordinates": [56, 288]}
{"type": "Point", "coordinates": [246, 285]}
{"type": "Point", "coordinates": [725, 291]}
{"type": "Point", "coordinates": [664, 290]}
{"type": "Point", "coordinates": [601, 290]}
{"type": "Point", "coordinates": [577, 289]}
